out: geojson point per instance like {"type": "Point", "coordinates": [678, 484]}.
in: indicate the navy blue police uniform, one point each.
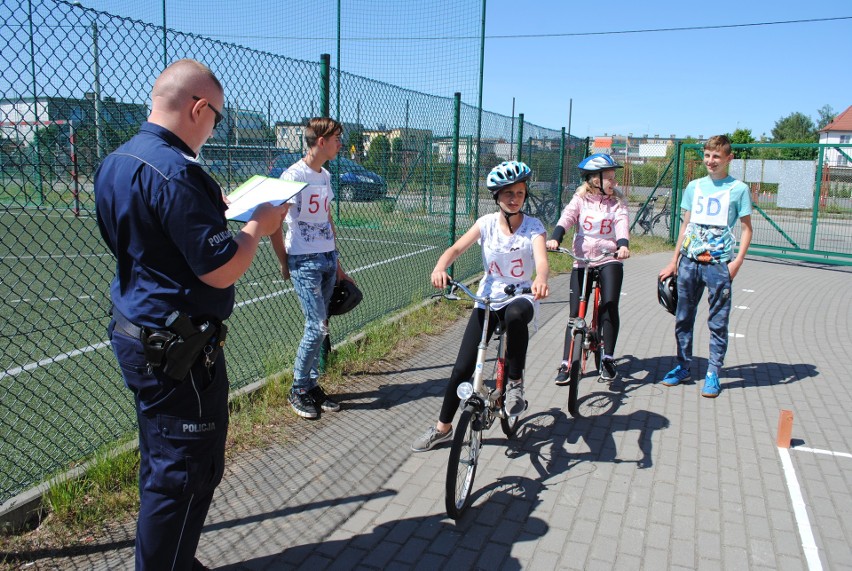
{"type": "Point", "coordinates": [163, 218]}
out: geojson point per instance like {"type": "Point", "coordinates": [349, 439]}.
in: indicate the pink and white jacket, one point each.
{"type": "Point", "coordinates": [601, 225]}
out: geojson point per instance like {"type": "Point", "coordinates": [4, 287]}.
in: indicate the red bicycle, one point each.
{"type": "Point", "coordinates": [586, 333]}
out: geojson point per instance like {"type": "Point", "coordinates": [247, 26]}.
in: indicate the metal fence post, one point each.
{"type": "Point", "coordinates": [520, 135]}
{"type": "Point", "coordinates": [325, 60]}
{"type": "Point", "coordinates": [817, 194]}
{"type": "Point", "coordinates": [454, 172]}
{"type": "Point", "coordinates": [674, 226]}
{"type": "Point", "coordinates": [561, 170]}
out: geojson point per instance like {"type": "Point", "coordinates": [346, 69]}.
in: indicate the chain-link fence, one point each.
{"type": "Point", "coordinates": [801, 195]}
{"type": "Point", "coordinates": [76, 84]}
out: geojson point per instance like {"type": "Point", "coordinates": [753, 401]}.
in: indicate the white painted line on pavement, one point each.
{"type": "Point", "coordinates": [818, 451]}
{"type": "Point", "coordinates": [800, 511]}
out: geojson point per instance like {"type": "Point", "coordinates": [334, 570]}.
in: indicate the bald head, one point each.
{"type": "Point", "coordinates": [180, 81]}
{"type": "Point", "coordinates": [182, 100]}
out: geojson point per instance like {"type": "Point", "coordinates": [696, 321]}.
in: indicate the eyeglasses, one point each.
{"type": "Point", "coordinates": [219, 116]}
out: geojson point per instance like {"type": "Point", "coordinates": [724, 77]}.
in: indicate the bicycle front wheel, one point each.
{"type": "Point", "coordinates": [464, 456]}
{"type": "Point", "coordinates": [510, 425]}
{"type": "Point", "coordinates": [574, 375]}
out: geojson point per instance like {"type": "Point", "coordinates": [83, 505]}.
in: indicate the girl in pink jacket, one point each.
{"type": "Point", "coordinates": [598, 211]}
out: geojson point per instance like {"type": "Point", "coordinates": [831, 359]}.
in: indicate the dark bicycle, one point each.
{"type": "Point", "coordinates": [648, 218]}
{"type": "Point", "coordinates": [586, 333]}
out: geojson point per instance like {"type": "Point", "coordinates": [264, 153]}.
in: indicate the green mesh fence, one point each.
{"type": "Point", "coordinates": [76, 84]}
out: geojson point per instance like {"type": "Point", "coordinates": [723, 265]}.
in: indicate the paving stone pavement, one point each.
{"type": "Point", "coordinates": [647, 477]}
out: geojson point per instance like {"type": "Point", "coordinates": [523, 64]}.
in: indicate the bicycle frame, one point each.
{"type": "Point", "coordinates": [477, 393]}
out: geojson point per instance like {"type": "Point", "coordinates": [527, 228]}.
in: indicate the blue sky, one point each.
{"type": "Point", "coordinates": [698, 82]}
{"type": "Point", "coordinates": [695, 82]}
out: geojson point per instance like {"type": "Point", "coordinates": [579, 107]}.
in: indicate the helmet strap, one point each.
{"type": "Point", "coordinates": [508, 217]}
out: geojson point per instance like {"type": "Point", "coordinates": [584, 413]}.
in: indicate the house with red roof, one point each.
{"type": "Point", "coordinates": [838, 131]}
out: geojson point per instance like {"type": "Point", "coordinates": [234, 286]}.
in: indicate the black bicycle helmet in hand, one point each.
{"type": "Point", "coordinates": [345, 297]}
{"type": "Point", "coordinates": [667, 293]}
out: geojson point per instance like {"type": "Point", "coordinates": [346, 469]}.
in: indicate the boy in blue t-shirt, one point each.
{"type": "Point", "coordinates": [711, 207]}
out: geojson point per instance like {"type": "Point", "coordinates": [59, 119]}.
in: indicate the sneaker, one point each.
{"type": "Point", "coordinates": [514, 402]}
{"type": "Point", "coordinates": [303, 404]}
{"type": "Point", "coordinates": [711, 386]}
{"type": "Point", "coordinates": [430, 438]}
{"type": "Point", "coordinates": [608, 372]}
{"type": "Point", "coordinates": [675, 377]}
{"type": "Point", "coordinates": [562, 375]}
{"type": "Point", "coordinates": [323, 400]}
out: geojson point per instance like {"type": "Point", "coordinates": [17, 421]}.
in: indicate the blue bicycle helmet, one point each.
{"type": "Point", "coordinates": [505, 174]}
{"type": "Point", "coordinates": [597, 163]}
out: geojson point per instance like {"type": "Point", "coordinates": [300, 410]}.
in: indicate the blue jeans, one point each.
{"type": "Point", "coordinates": [692, 278]}
{"type": "Point", "coordinates": [313, 278]}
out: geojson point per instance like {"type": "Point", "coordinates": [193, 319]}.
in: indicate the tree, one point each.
{"type": "Point", "coordinates": [795, 128]}
{"type": "Point", "coordinates": [742, 137]}
{"type": "Point", "coordinates": [826, 116]}
{"type": "Point", "coordinates": [378, 155]}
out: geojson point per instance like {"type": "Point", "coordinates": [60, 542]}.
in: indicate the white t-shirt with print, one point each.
{"type": "Point", "coordinates": [507, 259]}
{"type": "Point", "coordinates": [308, 228]}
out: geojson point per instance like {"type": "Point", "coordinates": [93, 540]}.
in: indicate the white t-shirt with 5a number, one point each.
{"type": "Point", "coordinates": [507, 260]}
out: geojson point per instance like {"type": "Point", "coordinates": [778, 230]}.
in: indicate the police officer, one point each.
{"type": "Point", "coordinates": [163, 218]}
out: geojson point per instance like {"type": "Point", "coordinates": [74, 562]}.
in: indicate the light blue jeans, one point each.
{"type": "Point", "coordinates": [692, 278]}
{"type": "Point", "coordinates": [313, 278]}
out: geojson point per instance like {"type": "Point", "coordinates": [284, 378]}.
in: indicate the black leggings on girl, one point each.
{"type": "Point", "coordinates": [611, 276]}
{"type": "Point", "coordinates": [515, 317]}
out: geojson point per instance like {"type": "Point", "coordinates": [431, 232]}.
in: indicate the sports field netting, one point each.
{"type": "Point", "coordinates": [77, 85]}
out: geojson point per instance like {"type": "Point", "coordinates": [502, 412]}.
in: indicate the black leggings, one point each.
{"type": "Point", "coordinates": [611, 276]}
{"type": "Point", "coordinates": [515, 317]}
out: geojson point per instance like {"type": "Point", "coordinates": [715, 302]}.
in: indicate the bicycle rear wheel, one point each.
{"type": "Point", "coordinates": [464, 456]}
{"type": "Point", "coordinates": [574, 375]}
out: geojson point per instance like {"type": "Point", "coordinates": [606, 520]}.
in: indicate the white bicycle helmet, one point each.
{"type": "Point", "coordinates": [505, 174]}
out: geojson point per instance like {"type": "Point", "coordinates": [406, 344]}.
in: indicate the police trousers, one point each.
{"type": "Point", "coordinates": [182, 430]}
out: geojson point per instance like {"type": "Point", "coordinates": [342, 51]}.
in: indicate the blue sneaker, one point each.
{"type": "Point", "coordinates": [711, 386]}
{"type": "Point", "coordinates": [675, 377]}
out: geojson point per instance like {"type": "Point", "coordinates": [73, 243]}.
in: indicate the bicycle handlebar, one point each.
{"type": "Point", "coordinates": [582, 259]}
{"type": "Point", "coordinates": [509, 292]}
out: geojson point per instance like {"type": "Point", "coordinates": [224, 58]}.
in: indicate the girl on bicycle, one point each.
{"type": "Point", "coordinates": [512, 251]}
{"type": "Point", "coordinates": [599, 212]}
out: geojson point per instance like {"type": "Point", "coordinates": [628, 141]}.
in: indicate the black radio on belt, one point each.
{"type": "Point", "coordinates": [177, 348]}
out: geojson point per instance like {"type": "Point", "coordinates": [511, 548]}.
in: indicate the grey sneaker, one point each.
{"type": "Point", "coordinates": [430, 438]}
{"type": "Point", "coordinates": [303, 404]}
{"type": "Point", "coordinates": [608, 372]}
{"type": "Point", "coordinates": [514, 402]}
{"type": "Point", "coordinates": [563, 375]}
{"type": "Point", "coordinates": [323, 400]}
